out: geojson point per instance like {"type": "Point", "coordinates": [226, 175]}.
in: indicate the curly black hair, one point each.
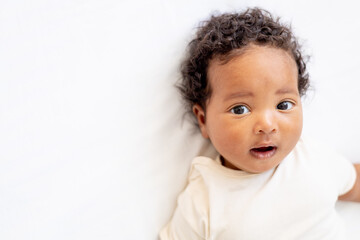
{"type": "Point", "coordinates": [219, 36]}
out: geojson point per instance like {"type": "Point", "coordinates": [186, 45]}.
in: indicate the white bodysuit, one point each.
{"type": "Point", "coordinates": [295, 200]}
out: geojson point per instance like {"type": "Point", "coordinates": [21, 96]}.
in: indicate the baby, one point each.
{"type": "Point", "coordinates": [243, 80]}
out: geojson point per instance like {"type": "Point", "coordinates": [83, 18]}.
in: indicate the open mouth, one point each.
{"type": "Point", "coordinates": [263, 152]}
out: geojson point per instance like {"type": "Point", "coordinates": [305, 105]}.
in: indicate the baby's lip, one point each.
{"type": "Point", "coordinates": [263, 151]}
{"type": "Point", "coordinates": [264, 145]}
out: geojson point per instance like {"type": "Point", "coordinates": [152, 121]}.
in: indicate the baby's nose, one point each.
{"type": "Point", "coordinates": [265, 123]}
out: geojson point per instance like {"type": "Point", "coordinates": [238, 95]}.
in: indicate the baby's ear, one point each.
{"type": "Point", "coordinates": [200, 116]}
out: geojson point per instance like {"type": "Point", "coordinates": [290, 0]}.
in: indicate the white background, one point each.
{"type": "Point", "coordinates": [92, 140]}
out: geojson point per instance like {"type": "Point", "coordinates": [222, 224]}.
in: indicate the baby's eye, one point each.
{"type": "Point", "coordinates": [286, 105]}
{"type": "Point", "coordinates": [240, 109]}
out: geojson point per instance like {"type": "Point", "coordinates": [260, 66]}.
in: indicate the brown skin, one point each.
{"type": "Point", "coordinates": [253, 83]}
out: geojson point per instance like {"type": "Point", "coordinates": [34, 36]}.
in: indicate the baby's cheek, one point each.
{"type": "Point", "coordinates": [298, 123]}
{"type": "Point", "coordinates": [227, 139]}
{"type": "Point", "coordinates": [238, 139]}
{"type": "Point", "coordinates": [293, 130]}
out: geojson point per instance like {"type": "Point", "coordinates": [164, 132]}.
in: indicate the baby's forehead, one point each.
{"type": "Point", "coordinates": [253, 67]}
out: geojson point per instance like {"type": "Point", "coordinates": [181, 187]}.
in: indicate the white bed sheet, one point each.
{"type": "Point", "coordinates": [92, 142]}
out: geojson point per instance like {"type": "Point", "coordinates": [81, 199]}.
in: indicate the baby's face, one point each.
{"type": "Point", "coordinates": [254, 115]}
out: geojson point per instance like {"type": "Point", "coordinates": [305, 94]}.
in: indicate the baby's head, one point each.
{"type": "Point", "coordinates": [243, 79]}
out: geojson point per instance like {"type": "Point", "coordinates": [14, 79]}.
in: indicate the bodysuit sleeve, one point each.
{"type": "Point", "coordinates": [346, 175]}
{"type": "Point", "coordinates": [338, 170]}
{"type": "Point", "coordinates": [190, 219]}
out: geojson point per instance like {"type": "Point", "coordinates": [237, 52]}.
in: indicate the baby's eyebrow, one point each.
{"type": "Point", "coordinates": [238, 95]}
{"type": "Point", "coordinates": [286, 90]}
